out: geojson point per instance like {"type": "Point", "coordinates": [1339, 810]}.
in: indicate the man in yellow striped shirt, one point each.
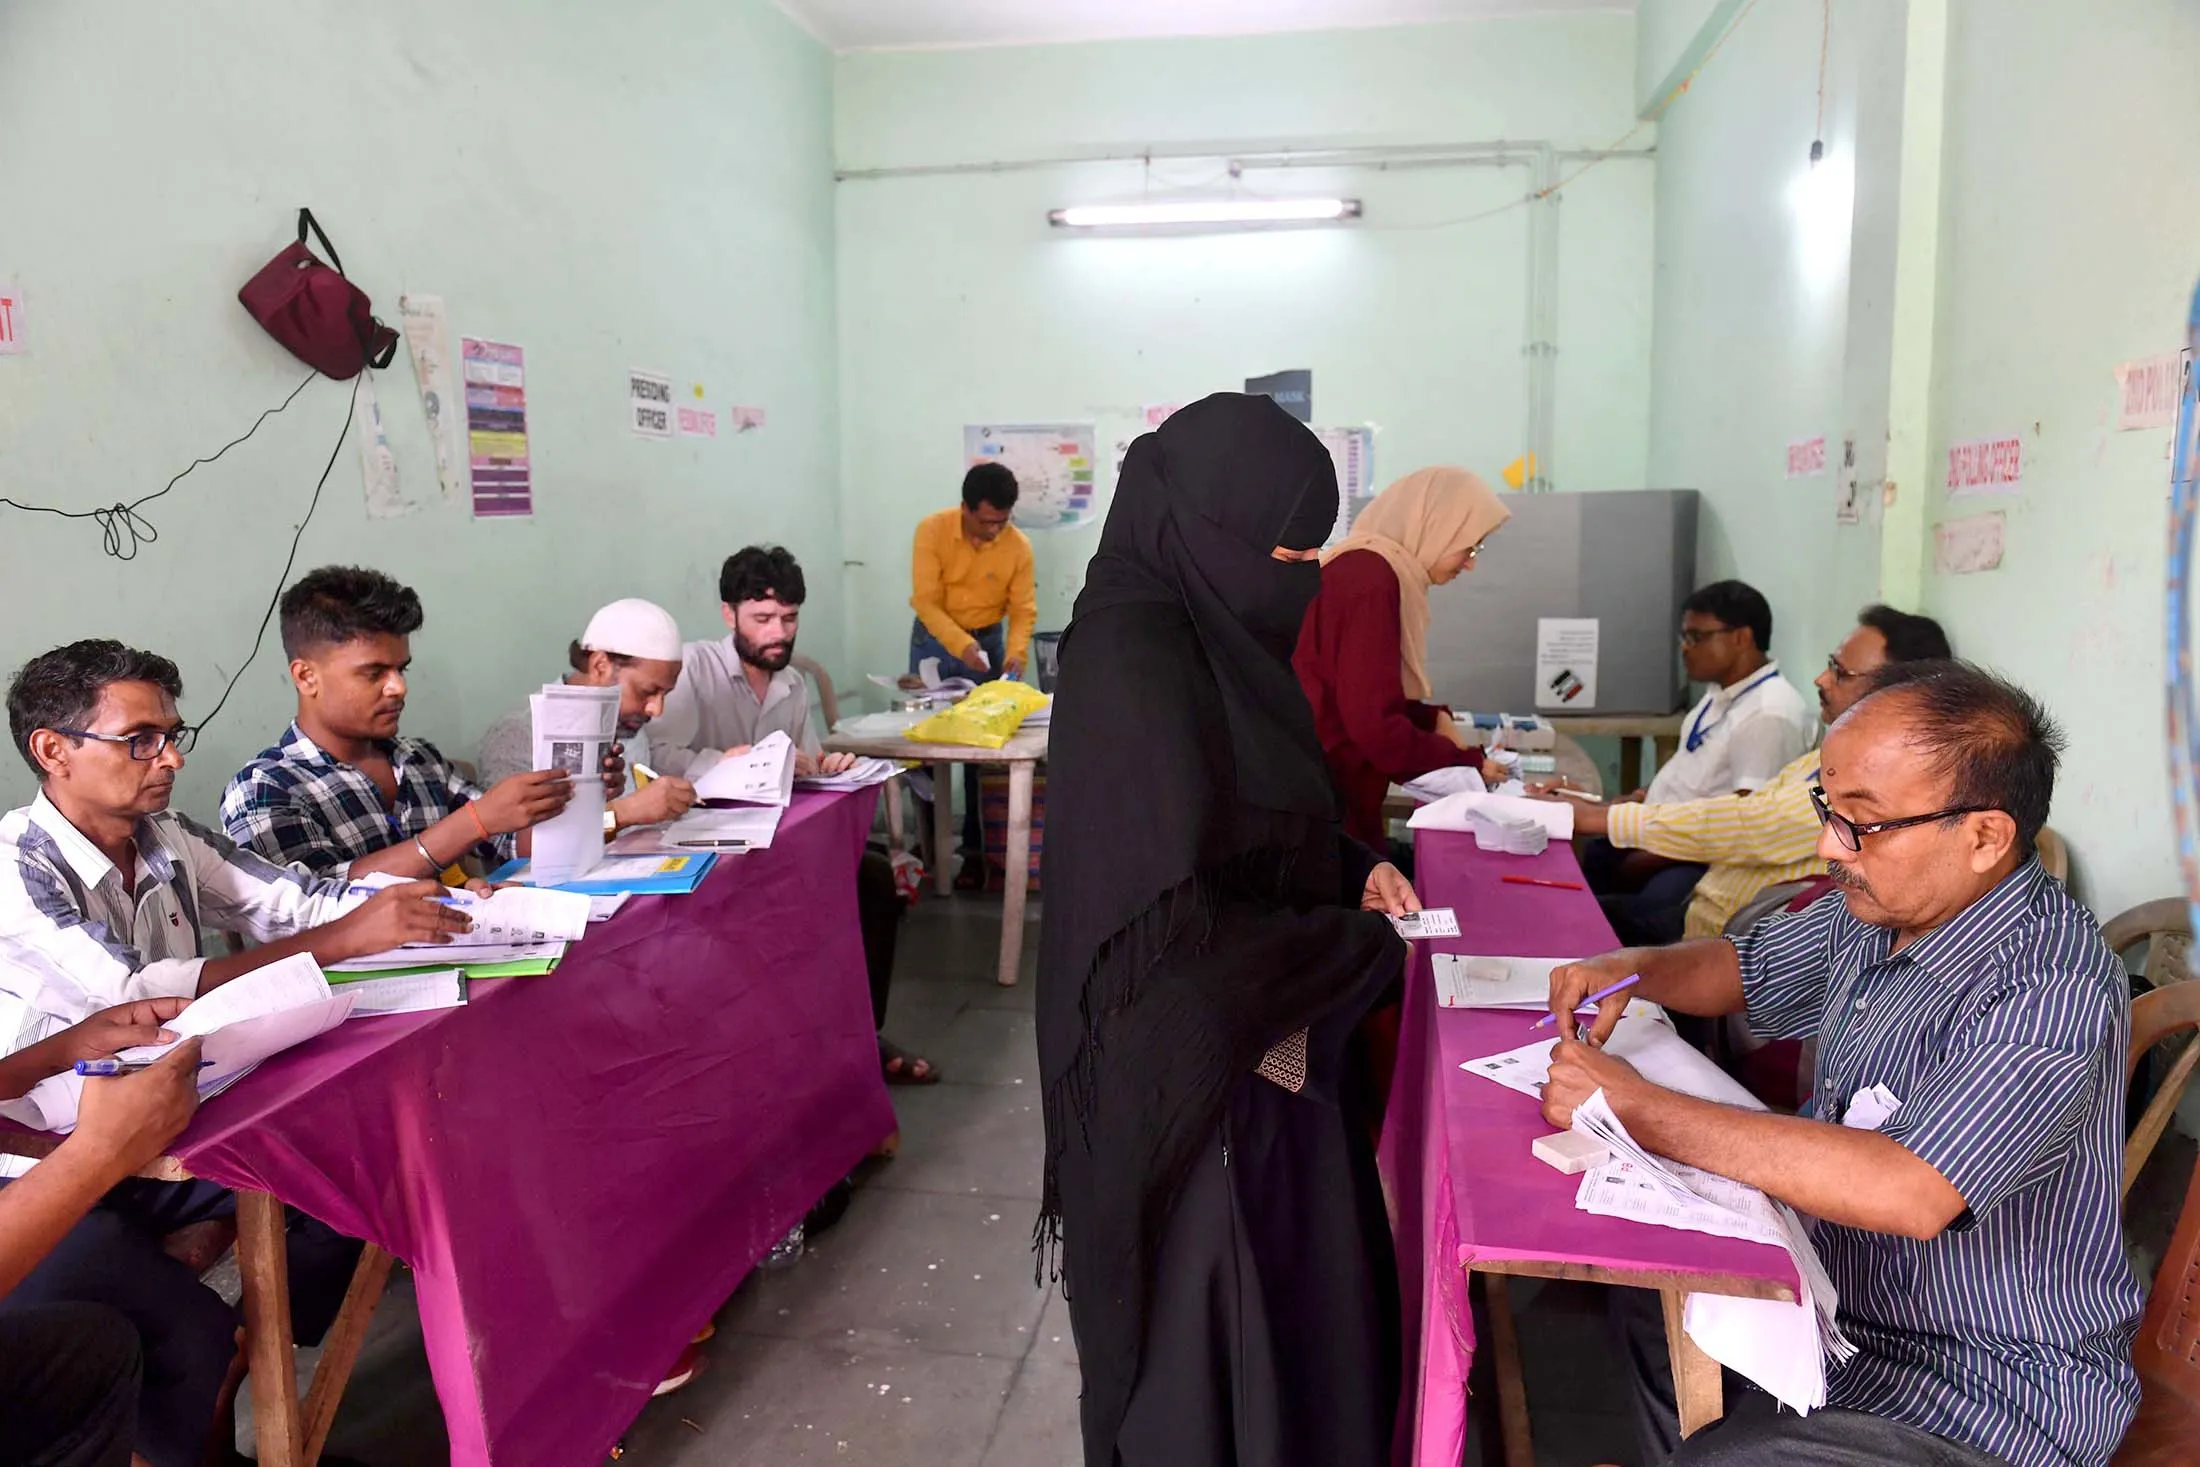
{"type": "Point", "coordinates": [1761, 838]}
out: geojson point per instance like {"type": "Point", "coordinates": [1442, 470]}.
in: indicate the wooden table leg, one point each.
{"type": "Point", "coordinates": [1512, 1389]}
{"type": "Point", "coordinates": [943, 828]}
{"type": "Point", "coordinates": [895, 840]}
{"type": "Point", "coordinates": [1016, 881]}
{"type": "Point", "coordinates": [263, 1264]}
{"type": "Point", "coordinates": [1697, 1387]}
{"type": "Point", "coordinates": [1630, 765]}
{"type": "Point", "coordinates": [340, 1351]}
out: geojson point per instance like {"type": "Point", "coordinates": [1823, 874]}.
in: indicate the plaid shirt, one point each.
{"type": "Point", "coordinates": [295, 804]}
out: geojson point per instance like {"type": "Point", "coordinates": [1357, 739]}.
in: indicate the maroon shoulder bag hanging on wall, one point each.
{"type": "Point", "coordinates": [327, 322]}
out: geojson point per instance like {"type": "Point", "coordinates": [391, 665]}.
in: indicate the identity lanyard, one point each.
{"type": "Point", "coordinates": [1702, 730]}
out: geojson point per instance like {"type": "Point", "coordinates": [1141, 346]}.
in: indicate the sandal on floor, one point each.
{"type": "Point", "coordinates": [903, 1068]}
{"type": "Point", "coordinates": [683, 1370]}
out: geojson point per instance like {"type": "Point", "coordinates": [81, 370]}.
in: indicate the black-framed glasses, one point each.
{"type": "Point", "coordinates": [1851, 833]}
{"type": "Point", "coordinates": [1697, 636]}
{"type": "Point", "coordinates": [146, 746]}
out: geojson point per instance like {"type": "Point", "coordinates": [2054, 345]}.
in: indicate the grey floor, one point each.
{"type": "Point", "coordinates": [913, 1334]}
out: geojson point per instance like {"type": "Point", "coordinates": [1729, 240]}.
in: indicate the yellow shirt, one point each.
{"type": "Point", "coordinates": [958, 588]}
{"type": "Point", "coordinates": [1749, 841]}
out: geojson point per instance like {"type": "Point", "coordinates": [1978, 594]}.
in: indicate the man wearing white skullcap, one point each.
{"type": "Point", "coordinates": [633, 645]}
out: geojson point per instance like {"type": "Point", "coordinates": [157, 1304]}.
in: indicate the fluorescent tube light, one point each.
{"type": "Point", "coordinates": [1205, 211]}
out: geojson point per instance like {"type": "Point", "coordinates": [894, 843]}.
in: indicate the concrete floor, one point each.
{"type": "Point", "coordinates": [913, 1334]}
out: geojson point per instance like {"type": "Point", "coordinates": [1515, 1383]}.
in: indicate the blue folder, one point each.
{"type": "Point", "coordinates": [673, 876]}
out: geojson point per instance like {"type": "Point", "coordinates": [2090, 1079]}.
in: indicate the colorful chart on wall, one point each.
{"type": "Point", "coordinates": [1053, 467]}
{"type": "Point", "coordinates": [496, 427]}
{"type": "Point", "coordinates": [1352, 450]}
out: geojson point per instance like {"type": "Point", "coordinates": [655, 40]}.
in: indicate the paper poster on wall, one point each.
{"type": "Point", "coordinates": [1053, 465]}
{"type": "Point", "coordinates": [1352, 451]}
{"type": "Point", "coordinates": [1807, 458]}
{"type": "Point", "coordinates": [11, 319]}
{"type": "Point", "coordinates": [377, 464]}
{"type": "Point", "coordinates": [1157, 413]}
{"type": "Point", "coordinates": [428, 340]}
{"type": "Point", "coordinates": [1293, 391]}
{"type": "Point", "coordinates": [698, 422]}
{"type": "Point", "coordinates": [496, 427]}
{"type": "Point", "coordinates": [1965, 546]}
{"type": "Point", "coordinates": [2147, 391]}
{"type": "Point", "coordinates": [744, 419]}
{"type": "Point", "coordinates": [649, 403]}
{"type": "Point", "coordinates": [1566, 663]}
{"type": "Point", "coordinates": [1983, 466]}
{"type": "Point", "coordinates": [1848, 491]}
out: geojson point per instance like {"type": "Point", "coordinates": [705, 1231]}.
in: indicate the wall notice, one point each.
{"type": "Point", "coordinates": [1807, 457]}
{"type": "Point", "coordinates": [1352, 451]}
{"type": "Point", "coordinates": [698, 422]}
{"type": "Point", "coordinates": [1981, 466]}
{"type": "Point", "coordinates": [1965, 546]}
{"type": "Point", "coordinates": [428, 339]}
{"type": "Point", "coordinates": [496, 428]}
{"type": "Point", "coordinates": [1566, 663]}
{"type": "Point", "coordinates": [2147, 391]}
{"type": "Point", "coordinates": [1053, 467]}
{"type": "Point", "coordinates": [11, 319]}
{"type": "Point", "coordinates": [649, 403]}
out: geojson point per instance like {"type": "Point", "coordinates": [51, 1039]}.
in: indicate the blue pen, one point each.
{"type": "Point", "coordinates": [361, 889]}
{"type": "Point", "coordinates": [100, 1068]}
{"type": "Point", "coordinates": [1599, 996]}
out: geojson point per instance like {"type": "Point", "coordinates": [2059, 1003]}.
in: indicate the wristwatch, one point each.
{"type": "Point", "coordinates": [610, 822]}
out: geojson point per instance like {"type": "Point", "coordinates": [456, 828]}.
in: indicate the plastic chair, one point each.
{"type": "Point", "coordinates": [2054, 855]}
{"type": "Point", "coordinates": [828, 702]}
{"type": "Point", "coordinates": [2165, 926]}
{"type": "Point", "coordinates": [2167, 1352]}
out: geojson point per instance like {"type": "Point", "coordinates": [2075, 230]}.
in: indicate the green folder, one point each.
{"type": "Point", "coordinates": [519, 968]}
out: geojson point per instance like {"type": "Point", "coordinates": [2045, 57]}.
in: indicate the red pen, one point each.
{"type": "Point", "coordinates": [1542, 881]}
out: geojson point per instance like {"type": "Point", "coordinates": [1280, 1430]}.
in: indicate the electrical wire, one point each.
{"type": "Point", "coordinates": [123, 531]}
{"type": "Point", "coordinates": [275, 597]}
{"type": "Point", "coordinates": [1825, 44]}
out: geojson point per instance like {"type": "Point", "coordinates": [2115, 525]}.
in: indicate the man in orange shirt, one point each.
{"type": "Point", "coordinates": [970, 573]}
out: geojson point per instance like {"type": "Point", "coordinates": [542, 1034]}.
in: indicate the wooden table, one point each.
{"type": "Point", "coordinates": [287, 1431]}
{"type": "Point", "coordinates": [1575, 767]}
{"type": "Point", "coordinates": [1661, 731]}
{"type": "Point", "coordinates": [1022, 754]}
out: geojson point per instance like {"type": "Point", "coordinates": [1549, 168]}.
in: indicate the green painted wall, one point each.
{"type": "Point", "coordinates": [608, 186]}
{"type": "Point", "coordinates": [958, 304]}
{"type": "Point", "coordinates": [2058, 243]}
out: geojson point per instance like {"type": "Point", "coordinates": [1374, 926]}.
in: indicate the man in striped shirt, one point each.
{"type": "Point", "coordinates": [1962, 1154]}
{"type": "Point", "coordinates": [1763, 837]}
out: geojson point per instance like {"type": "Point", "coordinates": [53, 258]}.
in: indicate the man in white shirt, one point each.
{"type": "Point", "coordinates": [103, 894]}
{"type": "Point", "coordinates": [735, 691]}
{"type": "Point", "coordinates": [1745, 730]}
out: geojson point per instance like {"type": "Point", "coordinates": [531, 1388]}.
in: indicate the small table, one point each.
{"type": "Point", "coordinates": [1469, 1197]}
{"type": "Point", "coordinates": [1022, 754]}
{"type": "Point", "coordinates": [1662, 731]}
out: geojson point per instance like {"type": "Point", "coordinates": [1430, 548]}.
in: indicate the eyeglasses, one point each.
{"type": "Point", "coordinates": [1840, 673]}
{"type": "Point", "coordinates": [1474, 552]}
{"type": "Point", "coordinates": [1851, 834]}
{"type": "Point", "coordinates": [146, 746]}
{"type": "Point", "coordinates": [1696, 636]}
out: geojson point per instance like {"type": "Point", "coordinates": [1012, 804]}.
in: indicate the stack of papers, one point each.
{"type": "Point", "coordinates": [574, 729]}
{"type": "Point", "coordinates": [1512, 835]}
{"type": "Point", "coordinates": [639, 875]}
{"type": "Point", "coordinates": [1438, 783]}
{"type": "Point", "coordinates": [407, 993]}
{"type": "Point", "coordinates": [861, 775]}
{"type": "Point", "coordinates": [733, 830]}
{"type": "Point", "coordinates": [477, 960]}
{"type": "Point", "coordinates": [879, 725]}
{"type": "Point", "coordinates": [1460, 811]}
{"type": "Point", "coordinates": [1493, 983]}
{"type": "Point", "coordinates": [764, 775]}
{"type": "Point", "coordinates": [517, 931]}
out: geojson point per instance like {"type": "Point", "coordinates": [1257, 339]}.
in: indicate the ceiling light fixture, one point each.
{"type": "Point", "coordinates": [1205, 211]}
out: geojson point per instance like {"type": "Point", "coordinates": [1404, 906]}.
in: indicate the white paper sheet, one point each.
{"type": "Point", "coordinates": [421, 955]}
{"type": "Point", "coordinates": [1438, 783]}
{"type": "Point", "coordinates": [762, 776]}
{"type": "Point", "coordinates": [1458, 812]}
{"type": "Point", "coordinates": [861, 775]}
{"type": "Point", "coordinates": [407, 993]}
{"type": "Point", "coordinates": [1494, 983]}
{"type": "Point", "coordinates": [1643, 1040]}
{"type": "Point", "coordinates": [604, 908]}
{"type": "Point", "coordinates": [573, 730]}
{"type": "Point", "coordinates": [1566, 663]}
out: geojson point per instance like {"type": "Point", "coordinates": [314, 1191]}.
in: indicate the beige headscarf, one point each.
{"type": "Point", "coordinates": [1413, 524]}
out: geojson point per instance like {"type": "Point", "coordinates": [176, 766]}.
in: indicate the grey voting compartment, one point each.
{"type": "Point", "coordinates": [1627, 559]}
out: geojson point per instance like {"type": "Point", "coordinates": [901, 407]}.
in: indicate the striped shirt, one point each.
{"type": "Point", "coordinates": [296, 804]}
{"type": "Point", "coordinates": [1749, 841]}
{"type": "Point", "coordinates": [2002, 1036]}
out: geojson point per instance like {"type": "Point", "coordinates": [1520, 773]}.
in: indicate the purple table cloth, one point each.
{"type": "Point", "coordinates": [1462, 1182]}
{"type": "Point", "coordinates": [581, 1167]}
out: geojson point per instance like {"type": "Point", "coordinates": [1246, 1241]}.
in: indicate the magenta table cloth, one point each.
{"type": "Point", "coordinates": [1462, 1183]}
{"type": "Point", "coordinates": [581, 1167]}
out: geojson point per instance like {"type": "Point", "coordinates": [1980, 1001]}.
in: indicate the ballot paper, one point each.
{"type": "Point", "coordinates": [509, 914]}
{"type": "Point", "coordinates": [1644, 1040]}
{"type": "Point", "coordinates": [476, 955]}
{"type": "Point", "coordinates": [1493, 983]}
{"type": "Point", "coordinates": [574, 728]}
{"type": "Point", "coordinates": [1438, 783]}
{"type": "Point", "coordinates": [257, 1014]}
{"type": "Point", "coordinates": [1428, 923]}
{"type": "Point", "coordinates": [764, 775]}
{"type": "Point", "coordinates": [1457, 812]}
{"type": "Point", "coordinates": [604, 908]}
{"type": "Point", "coordinates": [860, 775]}
{"type": "Point", "coordinates": [731, 831]}
{"type": "Point", "coordinates": [407, 993]}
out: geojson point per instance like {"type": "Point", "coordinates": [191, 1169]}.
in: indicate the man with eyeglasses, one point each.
{"type": "Point", "coordinates": [1766, 836]}
{"type": "Point", "coordinates": [1962, 1152]}
{"type": "Point", "coordinates": [103, 894]}
{"type": "Point", "coordinates": [1738, 737]}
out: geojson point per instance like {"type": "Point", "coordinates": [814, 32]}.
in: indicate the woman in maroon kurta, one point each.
{"type": "Point", "coordinates": [1363, 647]}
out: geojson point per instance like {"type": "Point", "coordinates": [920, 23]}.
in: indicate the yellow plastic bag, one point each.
{"type": "Point", "coordinates": [987, 719]}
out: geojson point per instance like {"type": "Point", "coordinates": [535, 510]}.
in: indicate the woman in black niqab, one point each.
{"type": "Point", "coordinates": [1221, 1234]}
